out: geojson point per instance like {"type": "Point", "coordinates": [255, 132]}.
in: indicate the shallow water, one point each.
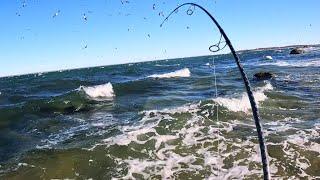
{"type": "Point", "coordinates": [159, 120]}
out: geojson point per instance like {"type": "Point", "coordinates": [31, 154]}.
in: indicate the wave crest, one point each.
{"type": "Point", "coordinates": [98, 91]}
{"type": "Point", "coordinates": [185, 72]}
{"type": "Point", "coordinates": [312, 63]}
{"type": "Point", "coordinates": [242, 103]}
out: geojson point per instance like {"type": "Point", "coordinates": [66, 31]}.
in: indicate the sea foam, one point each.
{"type": "Point", "coordinates": [242, 103]}
{"type": "Point", "coordinates": [312, 63]}
{"type": "Point", "coordinates": [179, 73]}
{"type": "Point", "coordinates": [98, 91]}
{"type": "Point", "coordinates": [201, 136]}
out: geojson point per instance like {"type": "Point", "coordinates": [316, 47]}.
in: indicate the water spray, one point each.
{"type": "Point", "coordinates": [217, 47]}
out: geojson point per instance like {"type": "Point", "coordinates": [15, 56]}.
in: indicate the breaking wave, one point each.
{"type": "Point", "coordinates": [99, 91]}
{"type": "Point", "coordinates": [179, 73]}
{"type": "Point", "coordinates": [166, 65]}
{"type": "Point", "coordinates": [242, 103]}
{"type": "Point", "coordinates": [312, 63]}
{"type": "Point", "coordinates": [170, 146]}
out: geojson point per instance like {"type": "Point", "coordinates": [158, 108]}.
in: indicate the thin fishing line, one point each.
{"type": "Point", "coordinates": [217, 111]}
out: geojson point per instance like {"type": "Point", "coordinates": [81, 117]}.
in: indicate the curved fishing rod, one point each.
{"type": "Point", "coordinates": [255, 112]}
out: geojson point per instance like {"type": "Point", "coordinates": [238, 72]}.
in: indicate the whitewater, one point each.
{"type": "Point", "coordinates": [158, 120]}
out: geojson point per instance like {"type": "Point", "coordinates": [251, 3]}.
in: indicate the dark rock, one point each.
{"type": "Point", "coordinates": [297, 51]}
{"type": "Point", "coordinates": [263, 75]}
{"type": "Point", "coordinates": [152, 114]}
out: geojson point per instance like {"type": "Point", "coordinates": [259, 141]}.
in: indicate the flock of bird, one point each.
{"type": "Point", "coordinates": [85, 15]}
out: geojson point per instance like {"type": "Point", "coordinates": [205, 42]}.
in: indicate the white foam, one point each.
{"type": "Point", "coordinates": [242, 103]}
{"type": "Point", "coordinates": [268, 57]}
{"type": "Point", "coordinates": [310, 49]}
{"type": "Point", "coordinates": [164, 161]}
{"type": "Point", "coordinates": [236, 172]}
{"type": "Point", "coordinates": [199, 134]}
{"type": "Point", "coordinates": [96, 123]}
{"type": "Point", "coordinates": [302, 139]}
{"type": "Point", "coordinates": [179, 73]}
{"type": "Point", "coordinates": [103, 90]}
{"type": "Point", "coordinates": [313, 63]}
{"type": "Point", "coordinates": [22, 164]}
{"type": "Point", "coordinates": [171, 164]}
{"type": "Point", "coordinates": [167, 65]}
{"type": "Point", "coordinates": [284, 125]}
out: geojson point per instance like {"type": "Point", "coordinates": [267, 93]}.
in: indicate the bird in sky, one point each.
{"type": "Point", "coordinates": [85, 17]}
{"type": "Point", "coordinates": [56, 14]}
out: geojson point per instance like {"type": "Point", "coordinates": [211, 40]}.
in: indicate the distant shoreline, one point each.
{"type": "Point", "coordinates": [282, 47]}
{"type": "Point", "coordinates": [239, 51]}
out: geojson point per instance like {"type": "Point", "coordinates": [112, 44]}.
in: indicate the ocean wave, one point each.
{"type": "Point", "coordinates": [311, 49]}
{"type": "Point", "coordinates": [99, 91]}
{"type": "Point", "coordinates": [166, 65]}
{"type": "Point", "coordinates": [193, 133]}
{"type": "Point", "coordinates": [172, 129]}
{"type": "Point", "coordinates": [242, 103]}
{"type": "Point", "coordinates": [312, 63]}
{"type": "Point", "coordinates": [171, 142]}
{"type": "Point", "coordinates": [96, 124]}
{"type": "Point", "coordinates": [165, 161]}
{"type": "Point", "coordinates": [179, 73]}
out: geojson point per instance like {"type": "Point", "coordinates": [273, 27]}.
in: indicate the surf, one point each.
{"type": "Point", "coordinates": [99, 91]}
{"type": "Point", "coordinates": [237, 104]}
{"type": "Point", "coordinates": [185, 72]}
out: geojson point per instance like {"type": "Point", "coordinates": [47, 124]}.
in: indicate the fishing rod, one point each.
{"type": "Point", "coordinates": [255, 111]}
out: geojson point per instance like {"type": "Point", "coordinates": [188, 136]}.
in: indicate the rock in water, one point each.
{"type": "Point", "coordinates": [263, 75]}
{"type": "Point", "coordinates": [297, 51]}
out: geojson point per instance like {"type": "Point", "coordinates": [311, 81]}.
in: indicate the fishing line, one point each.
{"type": "Point", "coordinates": [217, 111]}
{"type": "Point", "coordinates": [255, 111]}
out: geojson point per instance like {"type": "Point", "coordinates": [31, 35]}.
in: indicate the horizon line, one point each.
{"type": "Point", "coordinates": [78, 68]}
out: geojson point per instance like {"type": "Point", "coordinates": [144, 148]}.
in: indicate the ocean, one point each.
{"type": "Point", "coordinates": [168, 119]}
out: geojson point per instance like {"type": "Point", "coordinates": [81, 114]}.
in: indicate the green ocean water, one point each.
{"type": "Point", "coordinates": [158, 120]}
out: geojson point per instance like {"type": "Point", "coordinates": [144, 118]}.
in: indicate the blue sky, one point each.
{"type": "Point", "coordinates": [32, 40]}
